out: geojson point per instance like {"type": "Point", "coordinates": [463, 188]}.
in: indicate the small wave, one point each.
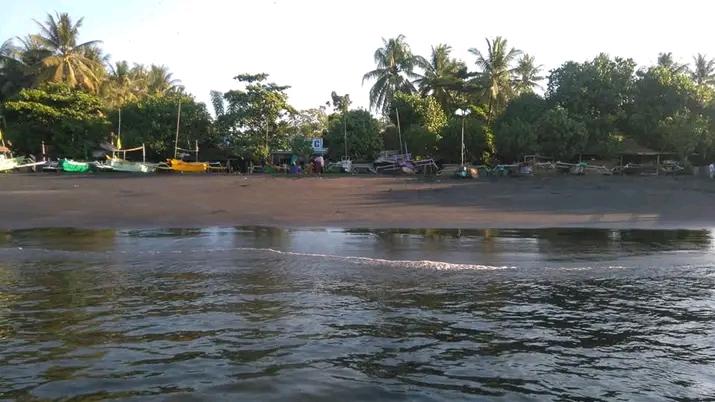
{"type": "Point", "coordinates": [417, 264]}
{"type": "Point", "coordinates": [587, 268]}
{"type": "Point", "coordinates": [422, 264]}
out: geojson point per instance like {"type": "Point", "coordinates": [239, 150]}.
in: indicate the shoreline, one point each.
{"type": "Point", "coordinates": [120, 201]}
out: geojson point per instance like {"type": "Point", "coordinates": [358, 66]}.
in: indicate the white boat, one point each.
{"type": "Point", "coordinates": [8, 163]}
{"type": "Point", "coordinates": [117, 164]}
{"type": "Point", "coordinates": [121, 165]}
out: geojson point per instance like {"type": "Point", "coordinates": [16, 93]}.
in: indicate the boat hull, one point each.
{"type": "Point", "coordinates": [8, 164]}
{"type": "Point", "coordinates": [119, 165]}
{"type": "Point", "coordinates": [177, 165]}
{"type": "Point", "coordinates": [71, 166]}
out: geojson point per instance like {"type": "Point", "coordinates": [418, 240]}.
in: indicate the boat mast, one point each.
{"type": "Point", "coordinates": [178, 120]}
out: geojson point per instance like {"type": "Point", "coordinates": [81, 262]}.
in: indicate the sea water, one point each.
{"type": "Point", "coordinates": [422, 315]}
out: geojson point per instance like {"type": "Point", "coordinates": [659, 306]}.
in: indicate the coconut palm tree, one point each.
{"type": "Point", "coordinates": [14, 73]}
{"type": "Point", "coordinates": [703, 70]}
{"type": "Point", "coordinates": [496, 73]}
{"type": "Point", "coordinates": [394, 72]}
{"type": "Point", "coordinates": [160, 81]}
{"type": "Point", "coordinates": [666, 60]}
{"type": "Point", "coordinates": [7, 49]}
{"type": "Point", "coordinates": [442, 75]}
{"type": "Point", "coordinates": [121, 85]}
{"type": "Point", "coordinates": [527, 75]}
{"type": "Point", "coordinates": [67, 61]}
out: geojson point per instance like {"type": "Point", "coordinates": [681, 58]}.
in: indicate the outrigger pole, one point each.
{"type": "Point", "coordinates": [176, 141]}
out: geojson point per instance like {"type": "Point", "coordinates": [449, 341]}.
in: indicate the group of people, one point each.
{"type": "Point", "coordinates": [315, 166]}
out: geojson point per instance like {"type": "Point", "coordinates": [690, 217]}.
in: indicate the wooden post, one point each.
{"type": "Point", "coordinates": [657, 165]}
{"type": "Point", "coordinates": [178, 120]}
{"type": "Point", "coordinates": [399, 130]}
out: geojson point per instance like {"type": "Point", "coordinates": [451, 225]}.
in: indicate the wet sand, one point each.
{"type": "Point", "coordinates": [124, 201]}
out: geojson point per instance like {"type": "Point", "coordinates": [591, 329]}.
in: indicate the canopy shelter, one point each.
{"type": "Point", "coordinates": [634, 154]}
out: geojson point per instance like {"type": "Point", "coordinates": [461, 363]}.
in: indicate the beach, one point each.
{"type": "Point", "coordinates": [127, 201]}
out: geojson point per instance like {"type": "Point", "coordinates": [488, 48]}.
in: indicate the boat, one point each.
{"type": "Point", "coordinates": [122, 165]}
{"type": "Point", "coordinates": [116, 164]}
{"type": "Point", "coordinates": [69, 165]}
{"type": "Point", "coordinates": [178, 165]}
{"type": "Point", "coordinates": [8, 162]}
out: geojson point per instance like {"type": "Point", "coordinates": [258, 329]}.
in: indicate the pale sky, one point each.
{"type": "Point", "coordinates": [320, 46]}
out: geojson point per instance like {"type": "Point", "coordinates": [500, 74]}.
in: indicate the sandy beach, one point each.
{"type": "Point", "coordinates": [119, 201]}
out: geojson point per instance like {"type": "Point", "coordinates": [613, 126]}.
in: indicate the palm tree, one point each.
{"type": "Point", "coordinates": [160, 81]}
{"type": "Point", "coordinates": [395, 68]}
{"type": "Point", "coordinates": [496, 72]}
{"type": "Point", "coordinates": [527, 75]}
{"type": "Point", "coordinates": [14, 73]}
{"type": "Point", "coordinates": [121, 85]}
{"type": "Point", "coordinates": [666, 60]}
{"type": "Point", "coordinates": [67, 61]}
{"type": "Point", "coordinates": [7, 50]}
{"type": "Point", "coordinates": [442, 75]}
{"type": "Point", "coordinates": [703, 70]}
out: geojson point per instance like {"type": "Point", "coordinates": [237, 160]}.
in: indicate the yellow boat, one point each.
{"type": "Point", "coordinates": [177, 165]}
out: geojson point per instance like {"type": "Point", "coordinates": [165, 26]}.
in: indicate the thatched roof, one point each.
{"type": "Point", "coordinates": [631, 147]}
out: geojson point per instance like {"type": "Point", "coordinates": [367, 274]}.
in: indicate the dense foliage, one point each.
{"type": "Point", "coordinates": [72, 121]}
{"type": "Point", "coordinates": [59, 89]}
{"type": "Point", "coordinates": [364, 139]}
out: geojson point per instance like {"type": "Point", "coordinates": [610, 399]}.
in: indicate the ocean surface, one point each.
{"type": "Point", "coordinates": [338, 315]}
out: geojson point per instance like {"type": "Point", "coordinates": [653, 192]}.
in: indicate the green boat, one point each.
{"type": "Point", "coordinates": [69, 165]}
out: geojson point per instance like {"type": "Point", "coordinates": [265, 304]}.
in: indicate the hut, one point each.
{"type": "Point", "coordinates": [638, 159]}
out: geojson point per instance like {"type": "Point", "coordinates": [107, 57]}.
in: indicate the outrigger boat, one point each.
{"type": "Point", "coordinates": [178, 165]}
{"type": "Point", "coordinates": [72, 166]}
{"type": "Point", "coordinates": [117, 164]}
{"type": "Point", "coordinates": [8, 162]}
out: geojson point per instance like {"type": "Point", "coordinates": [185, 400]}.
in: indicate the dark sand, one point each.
{"type": "Point", "coordinates": [121, 201]}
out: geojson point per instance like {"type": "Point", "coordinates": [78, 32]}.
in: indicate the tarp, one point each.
{"type": "Point", "coordinates": [75, 167]}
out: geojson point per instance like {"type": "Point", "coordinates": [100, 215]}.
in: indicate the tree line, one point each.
{"type": "Point", "coordinates": [66, 93]}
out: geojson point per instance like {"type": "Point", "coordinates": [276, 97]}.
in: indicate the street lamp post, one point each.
{"type": "Point", "coordinates": [463, 113]}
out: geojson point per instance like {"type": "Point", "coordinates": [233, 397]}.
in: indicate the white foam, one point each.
{"type": "Point", "coordinates": [422, 264]}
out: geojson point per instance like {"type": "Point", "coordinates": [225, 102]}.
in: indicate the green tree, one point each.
{"type": "Point", "coordinates": [310, 123]}
{"type": "Point", "coordinates": [421, 119]}
{"type": "Point", "coordinates": [121, 86]}
{"type": "Point", "coordinates": [666, 60]}
{"type": "Point", "coordinates": [527, 75]}
{"type": "Point", "coordinates": [685, 132]}
{"type": "Point", "coordinates": [658, 93]}
{"type": "Point", "coordinates": [495, 73]}
{"type": "Point", "coordinates": [257, 116]}
{"type": "Point", "coordinates": [703, 70]}
{"type": "Point", "coordinates": [443, 76]}
{"type": "Point", "coordinates": [151, 120]}
{"type": "Point", "coordinates": [301, 146]}
{"type": "Point", "coordinates": [13, 71]}
{"type": "Point", "coordinates": [596, 92]}
{"type": "Point", "coordinates": [394, 72]}
{"type": "Point", "coordinates": [559, 135]}
{"type": "Point", "coordinates": [67, 60]}
{"type": "Point", "coordinates": [515, 131]}
{"type": "Point", "coordinates": [70, 120]}
{"type": "Point", "coordinates": [478, 140]}
{"type": "Point", "coordinates": [364, 139]}
{"type": "Point", "coordinates": [159, 81]}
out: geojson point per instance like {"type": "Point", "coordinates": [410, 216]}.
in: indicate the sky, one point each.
{"type": "Point", "coordinates": [318, 47]}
